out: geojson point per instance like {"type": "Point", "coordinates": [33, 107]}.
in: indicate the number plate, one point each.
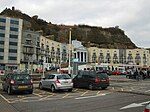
{"type": "Point", "coordinates": [66, 82]}
{"type": "Point", "coordinates": [22, 87]}
{"type": "Point", "coordinates": [103, 80]}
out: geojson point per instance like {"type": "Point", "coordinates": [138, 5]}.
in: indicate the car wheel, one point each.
{"type": "Point", "coordinates": [91, 86]}
{"type": "Point", "coordinates": [70, 90]}
{"type": "Point", "coordinates": [103, 88]}
{"type": "Point", "coordinates": [53, 88]}
{"type": "Point", "coordinates": [9, 90]}
{"type": "Point", "coordinates": [40, 86]}
{"type": "Point", "coordinates": [30, 92]}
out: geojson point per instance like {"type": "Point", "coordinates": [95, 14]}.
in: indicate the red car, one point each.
{"type": "Point", "coordinates": [116, 72]}
{"type": "Point", "coordinates": [40, 70]}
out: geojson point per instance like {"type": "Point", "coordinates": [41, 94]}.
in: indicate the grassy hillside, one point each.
{"type": "Point", "coordinates": [112, 37]}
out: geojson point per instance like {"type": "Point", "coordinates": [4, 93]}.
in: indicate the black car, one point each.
{"type": "Point", "coordinates": [91, 80]}
{"type": "Point", "coordinates": [17, 82]}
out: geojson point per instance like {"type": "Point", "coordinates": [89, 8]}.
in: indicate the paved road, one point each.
{"type": "Point", "coordinates": [121, 93]}
{"type": "Point", "coordinates": [102, 103]}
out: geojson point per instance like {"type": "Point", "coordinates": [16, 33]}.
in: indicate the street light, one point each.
{"type": "Point", "coordinates": [69, 66]}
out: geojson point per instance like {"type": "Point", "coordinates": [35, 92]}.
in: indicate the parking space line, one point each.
{"type": "Point", "coordinates": [113, 88]}
{"type": "Point", "coordinates": [98, 92]}
{"type": "Point", "coordinates": [65, 96]}
{"type": "Point", "coordinates": [89, 96]}
{"type": "Point", "coordinates": [84, 93]}
{"type": "Point", "coordinates": [47, 97]}
{"type": "Point", "coordinates": [37, 94]}
{"type": "Point", "coordinates": [5, 98]}
{"type": "Point", "coordinates": [132, 88]}
{"type": "Point", "coordinates": [76, 90]}
{"type": "Point", "coordinates": [21, 100]}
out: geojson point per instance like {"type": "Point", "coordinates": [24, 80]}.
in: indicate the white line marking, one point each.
{"type": "Point", "coordinates": [98, 92]}
{"type": "Point", "coordinates": [133, 105]}
{"type": "Point", "coordinates": [84, 93]}
{"type": "Point", "coordinates": [5, 98]}
{"type": "Point", "coordinates": [90, 96]}
{"type": "Point", "coordinates": [65, 96]}
{"type": "Point", "coordinates": [147, 91]}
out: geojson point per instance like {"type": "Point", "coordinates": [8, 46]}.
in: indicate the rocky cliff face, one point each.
{"type": "Point", "coordinates": [90, 36]}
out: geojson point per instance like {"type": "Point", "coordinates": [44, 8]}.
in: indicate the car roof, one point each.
{"type": "Point", "coordinates": [58, 74]}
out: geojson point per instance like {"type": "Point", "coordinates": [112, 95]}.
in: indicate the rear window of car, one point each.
{"type": "Point", "coordinates": [102, 75]}
{"type": "Point", "coordinates": [21, 77]}
{"type": "Point", "coordinates": [63, 77]}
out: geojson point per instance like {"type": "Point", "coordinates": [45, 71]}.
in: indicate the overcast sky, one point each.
{"type": "Point", "coordinates": [132, 16]}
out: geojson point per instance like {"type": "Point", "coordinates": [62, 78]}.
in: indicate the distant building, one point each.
{"type": "Point", "coordinates": [139, 57]}
{"type": "Point", "coordinates": [30, 49]}
{"type": "Point", "coordinates": [10, 42]}
{"type": "Point", "coordinates": [80, 52]}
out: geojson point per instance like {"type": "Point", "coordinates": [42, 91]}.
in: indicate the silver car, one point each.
{"type": "Point", "coordinates": [57, 82]}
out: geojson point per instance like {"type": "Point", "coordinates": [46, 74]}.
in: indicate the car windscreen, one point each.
{"type": "Point", "coordinates": [102, 75]}
{"type": "Point", "coordinates": [21, 77]}
{"type": "Point", "coordinates": [63, 77]}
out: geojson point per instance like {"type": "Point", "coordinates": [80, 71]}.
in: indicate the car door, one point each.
{"type": "Point", "coordinates": [49, 81]}
{"type": "Point", "coordinates": [44, 83]}
{"type": "Point", "coordinates": [78, 81]}
{"type": "Point", "coordinates": [85, 80]}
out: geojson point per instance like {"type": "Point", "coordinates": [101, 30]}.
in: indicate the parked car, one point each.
{"type": "Point", "coordinates": [39, 71]}
{"type": "Point", "coordinates": [118, 72]}
{"type": "Point", "coordinates": [57, 82]}
{"type": "Point", "coordinates": [91, 80]}
{"type": "Point", "coordinates": [13, 82]}
{"type": "Point", "coordinates": [147, 108]}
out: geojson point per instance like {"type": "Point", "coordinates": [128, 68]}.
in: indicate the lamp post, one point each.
{"type": "Point", "coordinates": [69, 66]}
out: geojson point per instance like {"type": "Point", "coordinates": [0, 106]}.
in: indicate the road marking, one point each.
{"type": "Point", "coordinates": [76, 90]}
{"type": "Point", "coordinates": [132, 88]}
{"type": "Point", "coordinates": [22, 99]}
{"type": "Point", "coordinates": [47, 97]}
{"type": "Point", "coordinates": [37, 94]}
{"type": "Point", "coordinates": [84, 93]}
{"type": "Point", "coordinates": [133, 105]}
{"type": "Point", "coordinates": [147, 91]}
{"type": "Point", "coordinates": [65, 96]}
{"type": "Point", "coordinates": [79, 98]}
{"type": "Point", "coordinates": [20, 96]}
{"type": "Point", "coordinates": [98, 92]}
{"type": "Point", "coordinates": [113, 88]}
{"type": "Point", "coordinates": [5, 98]}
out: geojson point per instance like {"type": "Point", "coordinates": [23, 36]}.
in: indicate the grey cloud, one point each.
{"type": "Point", "coordinates": [131, 15]}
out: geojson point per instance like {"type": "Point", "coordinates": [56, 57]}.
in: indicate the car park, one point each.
{"type": "Point", "coordinates": [147, 108]}
{"type": "Point", "coordinates": [91, 80]}
{"type": "Point", "coordinates": [14, 82]}
{"type": "Point", "coordinates": [57, 82]}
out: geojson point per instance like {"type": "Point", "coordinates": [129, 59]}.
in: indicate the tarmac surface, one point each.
{"type": "Point", "coordinates": [115, 82]}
